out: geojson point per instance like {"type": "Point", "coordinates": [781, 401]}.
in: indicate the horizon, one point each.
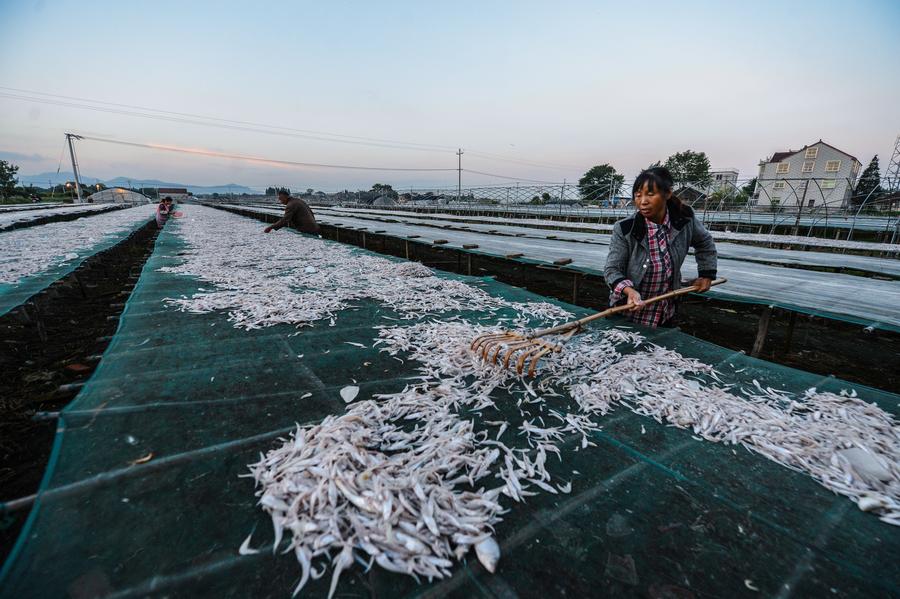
{"type": "Point", "coordinates": [402, 85]}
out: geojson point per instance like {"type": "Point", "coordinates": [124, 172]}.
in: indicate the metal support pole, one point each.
{"type": "Point", "coordinates": [459, 154]}
{"type": "Point", "coordinates": [69, 138]}
{"type": "Point", "coordinates": [800, 209]}
{"type": "Point", "coordinates": [562, 193]}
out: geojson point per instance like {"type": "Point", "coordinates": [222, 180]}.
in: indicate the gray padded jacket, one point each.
{"type": "Point", "coordinates": [629, 250]}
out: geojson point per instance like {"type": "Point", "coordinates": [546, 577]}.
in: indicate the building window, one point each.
{"type": "Point", "coordinates": [779, 185]}
{"type": "Point", "coordinates": [718, 177]}
{"type": "Point", "coordinates": [811, 153]}
{"type": "Point", "coordinates": [754, 202]}
{"type": "Point", "coordinates": [832, 166]}
{"type": "Point", "coordinates": [783, 167]}
{"type": "Point", "coordinates": [808, 166]}
{"type": "Point", "coordinates": [776, 199]}
{"type": "Point", "coordinates": [810, 203]}
{"type": "Point", "coordinates": [828, 183]}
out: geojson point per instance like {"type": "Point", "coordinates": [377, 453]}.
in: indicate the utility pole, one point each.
{"type": "Point", "coordinates": [69, 138]}
{"type": "Point", "coordinates": [892, 173]}
{"type": "Point", "coordinates": [459, 154]}
{"type": "Point", "coordinates": [562, 194]}
{"type": "Point", "coordinates": [800, 209]}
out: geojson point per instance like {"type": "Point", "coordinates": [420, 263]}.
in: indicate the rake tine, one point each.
{"type": "Point", "coordinates": [513, 348]}
{"type": "Point", "coordinates": [499, 346]}
{"type": "Point", "coordinates": [537, 358]}
{"type": "Point", "coordinates": [489, 345]}
{"type": "Point", "coordinates": [512, 343]}
{"type": "Point", "coordinates": [482, 339]}
{"type": "Point", "coordinates": [520, 363]}
{"type": "Point", "coordinates": [488, 339]}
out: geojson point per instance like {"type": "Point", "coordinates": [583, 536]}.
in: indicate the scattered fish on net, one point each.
{"type": "Point", "coordinates": [266, 280]}
{"type": "Point", "coordinates": [26, 252]}
{"type": "Point", "coordinates": [849, 445]}
{"type": "Point", "coordinates": [415, 480]}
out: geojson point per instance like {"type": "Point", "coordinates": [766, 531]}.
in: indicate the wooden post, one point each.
{"type": "Point", "coordinates": [364, 239]}
{"type": "Point", "coordinates": [469, 264]}
{"type": "Point", "coordinates": [762, 332]}
{"type": "Point", "coordinates": [406, 247]}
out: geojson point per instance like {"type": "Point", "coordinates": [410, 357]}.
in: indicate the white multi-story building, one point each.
{"type": "Point", "coordinates": [814, 176]}
{"type": "Point", "coordinates": [725, 178]}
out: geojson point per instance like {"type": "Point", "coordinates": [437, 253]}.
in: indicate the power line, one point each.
{"type": "Point", "coordinates": [250, 126]}
{"type": "Point", "coordinates": [509, 178]}
{"type": "Point", "coordinates": [187, 115]}
{"type": "Point", "coordinates": [174, 119]}
{"type": "Point", "coordinates": [490, 156]}
{"type": "Point", "coordinates": [274, 161]}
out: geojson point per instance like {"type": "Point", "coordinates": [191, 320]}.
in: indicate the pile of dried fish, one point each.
{"type": "Point", "coordinates": [365, 484]}
{"type": "Point", "coordinates": [26, 252]}
{"type": "Point", "coordinates": [850, 446]}
{"type": "Point", "coordinates": [265, 280]}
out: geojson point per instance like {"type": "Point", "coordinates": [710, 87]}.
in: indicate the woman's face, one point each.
{"type": "Point", "coordinates": [651, 203]}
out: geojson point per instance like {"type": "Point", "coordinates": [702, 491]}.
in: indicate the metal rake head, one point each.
{"type": "Point", "coordinates": [494, 346]}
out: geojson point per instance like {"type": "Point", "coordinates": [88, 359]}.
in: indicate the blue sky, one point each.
{"type": "Point", "coordinates": [564, 84]}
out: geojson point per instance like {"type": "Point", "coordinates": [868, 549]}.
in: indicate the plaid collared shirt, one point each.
{"type": "Point", "coordinates": [657, 279]}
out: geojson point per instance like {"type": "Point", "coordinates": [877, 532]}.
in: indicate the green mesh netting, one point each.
{"type": "Point", "coordinates": [142, 497]}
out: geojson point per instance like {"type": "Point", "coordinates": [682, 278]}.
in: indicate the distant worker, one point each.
{"type": "Point", "coordinates": [163, 210]}
{"type": "Point", "coordinates": [297, 215]}
{"type": "Point", "coordinates": [647, 250]}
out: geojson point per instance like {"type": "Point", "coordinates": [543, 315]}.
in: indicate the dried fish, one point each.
{"type": "Point", "coordinates": [488, 552]}
{"type": "Point", "coordinates": [349, 393]}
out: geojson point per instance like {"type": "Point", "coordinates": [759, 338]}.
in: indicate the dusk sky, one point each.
{"type": "Point", "coordinates": [560, 85]}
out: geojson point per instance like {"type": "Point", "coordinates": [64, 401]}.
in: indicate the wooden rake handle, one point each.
{"type": "Point", "coordinates": [577, 324]}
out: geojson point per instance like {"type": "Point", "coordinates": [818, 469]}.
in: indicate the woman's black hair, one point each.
{"type": "Point", "coordinates": [656, 178]}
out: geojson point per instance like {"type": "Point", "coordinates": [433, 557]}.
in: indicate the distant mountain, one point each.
{"type": "Point", "coordinates": [194, 189]}
{"type": "Point", "coordinates": [53, 178]}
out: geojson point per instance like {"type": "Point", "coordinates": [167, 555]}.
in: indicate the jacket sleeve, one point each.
{"type": "Point", "coordinates": [704, 251]}
{"type": "Point", "coordinates": [617, 258]}
{"type": "Point", "coordinates": [289, 211]}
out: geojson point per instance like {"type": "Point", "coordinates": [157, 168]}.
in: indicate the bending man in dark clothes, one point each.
{"type": "Point", "coordinates": [297, 215]}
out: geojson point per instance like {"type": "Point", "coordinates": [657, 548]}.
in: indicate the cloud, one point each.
{"type": "Point", "coordinates": [19, 156]}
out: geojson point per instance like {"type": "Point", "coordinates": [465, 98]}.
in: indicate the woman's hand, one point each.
{"type": "Point", "coordinates": [634, 299]}
{"type": "Point", "coordinates": [267, 230]}
{"type": "Point", "coordinates": [702, 284]}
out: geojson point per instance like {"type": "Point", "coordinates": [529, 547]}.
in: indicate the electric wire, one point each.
{"type": "Point", "coordinates": [250, 126]}
{"type": "Point", "coordinates": [272, 161]}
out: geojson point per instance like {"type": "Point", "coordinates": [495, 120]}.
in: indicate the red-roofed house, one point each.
{"type": "Point", "coordinates": [816, 175]}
